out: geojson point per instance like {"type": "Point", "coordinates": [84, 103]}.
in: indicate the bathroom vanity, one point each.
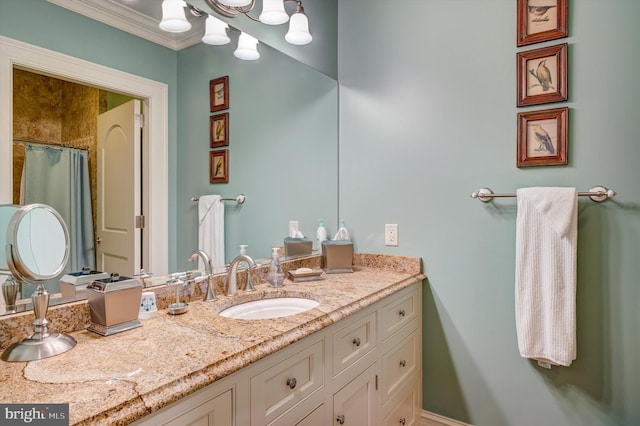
{"type": "Point", "coordinates": [353, 359]}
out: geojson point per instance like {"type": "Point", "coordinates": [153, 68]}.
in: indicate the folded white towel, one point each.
{"type": "Point", "coordinates": [546, 247]}
{"type": "Point", "coordinates": [211, 229]}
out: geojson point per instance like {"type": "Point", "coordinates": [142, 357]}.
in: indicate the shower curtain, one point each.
{"type": "Point", "coordinates": [59, 177]}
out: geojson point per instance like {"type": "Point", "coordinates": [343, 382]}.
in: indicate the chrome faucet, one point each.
{"type": "Point", "coordinates": [210, 293]}
{"type": "Point", "coordinates": [232, 287]}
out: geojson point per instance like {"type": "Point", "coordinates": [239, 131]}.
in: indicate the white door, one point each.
{"type": "Point", "coordinates": [118, 247]}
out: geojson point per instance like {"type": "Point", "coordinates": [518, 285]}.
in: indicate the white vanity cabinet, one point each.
{"type": "Point", "coordinates": [206, 407]}
{"type": "Point", "coordinates": [362, 370]}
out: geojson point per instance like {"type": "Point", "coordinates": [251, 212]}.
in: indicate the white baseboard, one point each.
{"type": "Point", "coordinates": [432, 419]}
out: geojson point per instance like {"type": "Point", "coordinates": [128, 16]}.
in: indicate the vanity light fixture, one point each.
{"type": "Point", "coordinates": [247, 48]}
{"type": "Point", "coordinates": [273, 13]}
{"type": "Point", "coordinates": [173, 17]}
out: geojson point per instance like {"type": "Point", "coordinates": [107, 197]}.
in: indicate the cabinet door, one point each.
{"type": "Point", "coordinates": [215, 412]}
{"type": "Point", "coordinates": [355, 403]}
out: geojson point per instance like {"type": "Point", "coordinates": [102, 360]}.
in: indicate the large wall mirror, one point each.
{"type": "Point", "coordinates": [282, 152]}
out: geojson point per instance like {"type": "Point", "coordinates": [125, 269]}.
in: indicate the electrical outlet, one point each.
{"type": "Point", "coordinates": [293, 227]}
{"type": "Point", "coordinates": [391, 234]}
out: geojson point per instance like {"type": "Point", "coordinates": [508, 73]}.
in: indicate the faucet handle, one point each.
{"type": "Point", "coordinates": [249, 286]}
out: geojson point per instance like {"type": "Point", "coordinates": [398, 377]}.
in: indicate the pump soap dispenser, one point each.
{"type": "Point", "coordinates": [275, 275]}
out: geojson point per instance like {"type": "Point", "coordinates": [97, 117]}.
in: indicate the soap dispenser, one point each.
{"type": "Point", "coordinates": [321, 233]}
{"type": "Point", "coordinates": [275, 275]}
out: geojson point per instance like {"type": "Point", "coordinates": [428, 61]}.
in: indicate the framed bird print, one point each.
{"type": "Point", "coordinates": [542, 75]}
{"type": "Point", "coordinates": [542, 20]}
{"type": "Point", "coordinates": [219, 166]}
{"type": "Point", "coordinates": [219, 93]}
{"type": "Point", "coordinates": [542, 138]}
{"type": "Point", "coordinates": [219, 130]}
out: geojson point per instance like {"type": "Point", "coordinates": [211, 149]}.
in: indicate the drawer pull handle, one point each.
{"type": "Point", "coordinates": [340, 419]}
{"type": "Point", "coordinates": [402, 313]}
{"type": "Point", "coordinates": [356, 341]}
{"type": "Point", "coordinates": [403, 421]}
{"type": "Point", "coordinates": [292, 383]}
{"type": "Point", "coordinates": [403, 363]}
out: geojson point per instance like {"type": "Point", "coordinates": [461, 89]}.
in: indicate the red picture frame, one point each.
{"type": "Point", "coordinates": [219, 94]}
{"type": "Point", "coordinates": [541, 21]}
{"type": "Point", "coordinates": [219, 166]}
{"type": "Point", "coordinates": [542, 138]}
{"type": "Point", "coordinates": [219, 130]}
{"type": "Point", "coordinates": [542, 75]}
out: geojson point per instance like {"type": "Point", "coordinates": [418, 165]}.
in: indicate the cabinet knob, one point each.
{"type": "Point", "coordinates": [402, 313]}
{"type": "Point", "coordinates": [340, 419]}
{"type": "Point", "coordinates": [403, 421]}
{"type": "Point", "coordinates": [403, 363]}
{"type": "Point", "coordinates": [292, 383]}
{"type": "Point", "coordinates": [356, 341]}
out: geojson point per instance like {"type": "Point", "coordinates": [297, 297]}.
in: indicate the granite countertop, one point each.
{"type": "Point", "coordinates": [121, 378]}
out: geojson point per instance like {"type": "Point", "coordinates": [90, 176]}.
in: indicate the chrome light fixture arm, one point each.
{"type": "Point", "coordinates": [231, 11]}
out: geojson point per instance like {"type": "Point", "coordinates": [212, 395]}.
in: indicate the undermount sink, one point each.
{"type": "Point", "coordinates": [269, 308]}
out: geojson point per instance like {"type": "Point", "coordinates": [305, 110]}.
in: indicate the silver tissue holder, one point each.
{"type": "Point", "coordinates": [337, 256]}
{"type": "Point", "coordinates": [75, 283]}
{"type": "Point", "coordinates": [297, 247]}
{"type": "Point", "coordinates": [114, 304]}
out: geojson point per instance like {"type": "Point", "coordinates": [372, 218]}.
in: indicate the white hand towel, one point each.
{"type": "Point", "coordinates": [546, 247]}
{"type": "Point", "coordinates": [211, 229]}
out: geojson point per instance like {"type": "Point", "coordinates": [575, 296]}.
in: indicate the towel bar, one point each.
{"type": "Point", "coordinates": [596, 193]}
{"type": "Point", "coordinates": [239, 199]}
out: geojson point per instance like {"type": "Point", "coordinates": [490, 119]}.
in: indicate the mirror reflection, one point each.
{"type": "Point", "coordinates": [37, 243]}
{"type": "Point", "coordinates": [283, 131]}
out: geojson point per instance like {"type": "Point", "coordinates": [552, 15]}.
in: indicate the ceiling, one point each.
{"type": "Point", "coordinates": [137, 17]}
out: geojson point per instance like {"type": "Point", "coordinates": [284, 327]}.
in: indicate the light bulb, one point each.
{"type": "Point", "coordinates": [298, 30]}
{"type": "Point", "coordinates": [247, 48]}
{"type": "Point", "coordinates": [235, 3]}
{"type": "Point", "coordinates": [216, 31]}
{"type": "Point", "coordinates": [273, 12]}
{"type": "Point", "coordinates": [173, 18]}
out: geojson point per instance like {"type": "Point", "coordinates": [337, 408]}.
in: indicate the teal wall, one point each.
{"type": "Point", "coordinates": [427, 116]}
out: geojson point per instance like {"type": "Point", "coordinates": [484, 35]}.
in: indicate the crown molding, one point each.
{"type": "Point", "coordinates": [133, 22]}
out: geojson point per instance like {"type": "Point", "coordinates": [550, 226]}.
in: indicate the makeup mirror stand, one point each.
{"type": "Point", "coordinates": [42, 343]}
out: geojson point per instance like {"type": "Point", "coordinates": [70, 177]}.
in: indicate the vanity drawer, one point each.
{"type": "Point", "coordinates": [398, 313]}
{"type": "Point", "coordinates": [352, 342]}
{"type": "Point", "coordinates": [286, 384]}
{"type": "Point", "coordinates": [404, 411]}
{"type": "Point", "coordinates": [399, 365]}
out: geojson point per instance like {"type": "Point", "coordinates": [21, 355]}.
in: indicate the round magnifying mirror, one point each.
{"type": "Point", "coordinates": [37, 244]}
{"type": "Point", "coordinates": [6, 213]}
